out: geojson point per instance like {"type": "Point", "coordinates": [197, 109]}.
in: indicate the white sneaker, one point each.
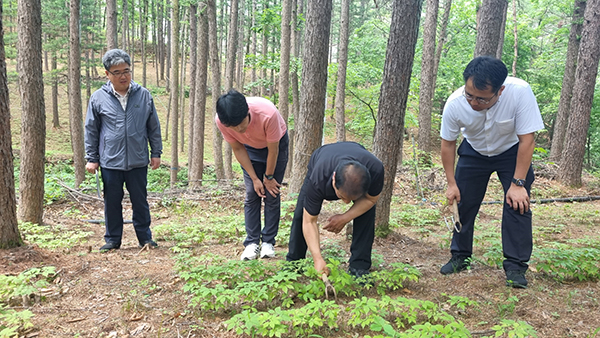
{"type": "Point", "coordinates": [267, 250]}
{"type": "Point", "coordinates": [251, 252]}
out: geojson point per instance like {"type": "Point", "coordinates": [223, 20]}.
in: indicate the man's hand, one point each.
{"type": "Point", "coordinates": [272, 186]}
{"type": "Point", "coordinates": [453, 193]}
{"type": "Point", "coordinates": [321, 266]}
{"type": "Point", "coordinates": [335, 223]}
{"type": "Point", "coordinates": [154, 163]}
{"type": "Point", "coordinates": [259, 187]}
{"type": "Point", "coordinates": [518, 198]}
{"type": "Point", "coordinates": [91, 167]}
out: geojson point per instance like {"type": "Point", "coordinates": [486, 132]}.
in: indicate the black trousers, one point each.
{"type": "Point", "coordinates": [362, 236]}
{"type": "Point", "coordinates": [472, 175]}
{"type": "Point", "coordinates": [135, 180]}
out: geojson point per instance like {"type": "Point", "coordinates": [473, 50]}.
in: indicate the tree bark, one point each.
{"type": "Point", "coordinates": [111, 24]}
{"type": "Point", "coordinates": [502, 30]}
{"type": "Point", "coordinates": [340, 94]}
{"type": "Point", "coordinates": [215, 66]}
{"type": "Point", "coordinates": [33, 118]}
{"type": "Point", "coordinates": [566, 92]}
{"type": "Point", "coordinates": [490, 24]}
{"type": "Point", "coordinates": [284, 65]}
{"type": "Point", "coordinates": [253, 77]}
{"type": "Point", "coordinates": [143, 38]}
{"type": "Point", "coordinates": [309, 126]}
{"type": "Point", "coordinates": [516, 36]}
{"type": "Point", "coordinates": [264, 55]}
{"type": "Point", "coordinates": [197, 166]}
{"type": "Point", "coordinates": [295, 44]}
{"type": "Point", "coordinates": [193, 69]}
{"type": "Point", "coordinates": [55, 116]}
{"type": "Point", "coordinates": [232, 40]}
{"type": "Point", "coordinates": [75, 110]}
{"type": "Point", "coordinates": [571, 164]}
{"type": "Point", "coordinates": [426, 89]}
{"type": "Point", "coordinates": [441, 40]}
{"type": "Point", "coordinates": [125, 28]}
{"type": "Point", "coordinates": [9, 231]}
{"type": "Point", "coordinates": [174, 90]}
{"type": "Point", "coordinates": [160, 39]}
{"type": "Point", "coordinates": [394, 96]}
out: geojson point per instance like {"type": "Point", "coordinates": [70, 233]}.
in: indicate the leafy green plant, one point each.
{"type": "Point", "coordinates": [386, 280]}
{"type": "Point", "coordinates": [53, 236]}
{"type": "Point", "coordinates": [565, 262]}
{"type": "Point", "coordinates": [13, 322]}
{"type": "Point", "coordinates": [513, 329]}
{"type": "Point", "coordinates": [418, 216]}
{"type": "Point", "coordinates": [461, 302]}
{"type": "Point", "coordinates": [505, 309]}
{"type": "Point", "coordinates": [24, 284]}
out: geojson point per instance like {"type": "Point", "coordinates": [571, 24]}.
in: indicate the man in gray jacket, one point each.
{"type": "Point", "coordinates": [121, 121]}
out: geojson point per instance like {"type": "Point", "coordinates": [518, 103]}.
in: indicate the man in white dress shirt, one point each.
{"type": "Point", "coordinates": [497, 116]}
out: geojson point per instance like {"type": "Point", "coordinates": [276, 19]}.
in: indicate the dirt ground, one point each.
{"type": "Point", "coordinates": [137, 293]}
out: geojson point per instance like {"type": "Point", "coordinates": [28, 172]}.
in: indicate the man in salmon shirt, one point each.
{"type": "Point", "coordinates": [258, 137]}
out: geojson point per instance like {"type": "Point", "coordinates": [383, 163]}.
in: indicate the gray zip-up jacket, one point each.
{"type": "Point", "coordinates": [118, 139]}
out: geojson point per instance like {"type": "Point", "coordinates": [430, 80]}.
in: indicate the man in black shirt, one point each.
{"type": "Point", "coordinates": [346, 171]}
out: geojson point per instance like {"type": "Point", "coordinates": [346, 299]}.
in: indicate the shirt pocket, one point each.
{"type": "Point", "coordinates": [506, 126]}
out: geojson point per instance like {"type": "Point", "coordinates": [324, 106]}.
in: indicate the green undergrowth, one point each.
{"type": "Point", "coordinates": [54, 236]}
{"type": "Point", "coordinates": [287, 299]}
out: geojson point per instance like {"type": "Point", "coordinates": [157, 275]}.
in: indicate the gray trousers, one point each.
{"type": "Point", "coordinates": [253, 202]}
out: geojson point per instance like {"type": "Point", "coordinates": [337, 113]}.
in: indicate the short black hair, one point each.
{"type": "Point", "coordinates": [232, 108]}
{"type": "Point", "coordinates": [353, 178]}
{"type": "Point", "coordinates": [115, 57]}
{"type": "Point", "coordinates": [486, 71]}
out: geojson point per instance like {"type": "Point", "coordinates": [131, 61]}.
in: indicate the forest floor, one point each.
{"type": "Point", "coordinates": [138, 293]}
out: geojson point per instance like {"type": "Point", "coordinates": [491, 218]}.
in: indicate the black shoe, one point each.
{"type": "Point", "coordinates": [110, 246]}
{"type": "Point", "coordinates": [516, 279]}
{"type": "Point", "coordinates": [456, 264]}
{"type": "Point", "coordinates": [150, 243]}
{"type": "Point", "coordinates": [362, 276]}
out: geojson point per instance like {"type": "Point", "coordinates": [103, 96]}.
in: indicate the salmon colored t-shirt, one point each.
{"type": "Point", "coordinates": [266, 125]}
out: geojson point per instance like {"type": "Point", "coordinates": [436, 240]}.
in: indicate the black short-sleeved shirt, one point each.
{"type": "Point", "coordinates": [322, 165]}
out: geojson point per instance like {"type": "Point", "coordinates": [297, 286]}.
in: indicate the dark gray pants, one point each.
{"type": "Point", "coordinates": [472, 175]}
{"type": "Point", "coordinates": [253, 202]}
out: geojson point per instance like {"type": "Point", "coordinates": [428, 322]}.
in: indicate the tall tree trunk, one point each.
{"type": "Point", "coordinates": [232, 39]}
{"type": "Point", "coordinates": [441, 41]}
{"type": "Point", "coordinates": [239, 78]}
{"type": "Point", "coordinates": [571, 163]}
{"type": "Point", "coordinates": [253, 77]}
{"type": "Point", "coordinates": [168, 56]}
{"type": "Point", "coordinates": [75, 110]}
{"type": "Point", "coordinates": [488, 29]}
{"type": "Point", "coordinates": [9, 231]}
{"type": "Point", "coordinates": [426, 90]}
{"type": "Point", "coordinates": [340, 94]}
{"type": "Point", "coordinates": [182, 89]}
{"type": "Point", "coordinates": [174, 90]}
{"type": "Point", "coordinates": [215, 66]}
{"type": "Point", "coordinates": [284, 65]}
{"type": "Point", "coordinates": [33, 118]}
{"type": "Point", "coordinates": [295, 44]}
{"type": "Point", "coordinates": [516, 35]}
{"type": "Point", "coordinates": [394, 95]}
{"type": "Point", "coordinates": [143, 38]}
{"type": "Point", "coordinates": [111, 24]}
{"type": "Point", "coordinates": [160, 39]}
{"type": "Point", "coordinates": [197, 166]}
{"type": "Point", "coordinates": [125, 28]}
{"type": "Point", "coordinates": [55, 116]}
{"type": "Point", "coordinates": [309, 126]}
{"type": "Point", "coordinates": [566, 91]}
{"type": "Point", "coordinates": [500, 46]}
{"type": "Point", "coordinates": [193, 67]}
{"type": "Point", "coordinates": [265, 55]}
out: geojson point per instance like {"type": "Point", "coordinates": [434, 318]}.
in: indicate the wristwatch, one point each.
{"type": "Point", "coordinates": [269, 177]}
{"type": "Point", "coordinates": [518, 182]}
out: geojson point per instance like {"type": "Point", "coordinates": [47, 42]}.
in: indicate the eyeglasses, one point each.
{"type": "Point", "coordinates": [479, 100]}
{"type": "Point", "coordinates": [126, 72]}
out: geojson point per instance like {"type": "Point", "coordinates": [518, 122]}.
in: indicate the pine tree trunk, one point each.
{"type": "Point", "coordinates": [489, 27]}
{"type": "Point", "coordinates": [143, 38]}
{"type": "Point", "coordinates": [9, 231]}
{"type": "Point", "coordinates": [309, 126]}
{"type": "Point", "coordinates": [215, 66]}
{"type": "Point", "coordinates": [340, 95]}
{"type": "Point", "coordinates": [160, 40]}
{"type": "Point", "coordinates": [284, 65]}
{"type": "Point", "coordinates": [75, 109]}
{"type": "Point", "coordinates": [253, 77]}
{"type": "Point", "coordinates": [111, 24]}
{"type": "Point", "coordinates": [441, 41]}
{"type": "Point", "coordinates": [426, 89]}
{"type": "Point", "coordinates": [394, 96]}
{"type": "Point", "coordinates": [566, 91]}
{"type": "Point", "coordinates": [265, 57]}
{"type": "Point", "coordinates": [232, 39]}
{"type": "Point", "coordinates": [500, 46]}
{"type": "Point", "coordinates": [33, 118]}
{"type": "Point", "coordinates": [193, 66]}
{"type": "Point", "coordinates": [295, 45]}
{"type": "Point", "coordinates": [174, 90]}
{"type": "Point", "coordinates": [571, 164]}
{"type": "Point", "coordinates": [197, 166]}
{"type": "Point", "coordinates": [516, 36]}
{"type": "Point", "coordinates": [55, 116]}
{"type": "Point", "coordinates": [125, 28]}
